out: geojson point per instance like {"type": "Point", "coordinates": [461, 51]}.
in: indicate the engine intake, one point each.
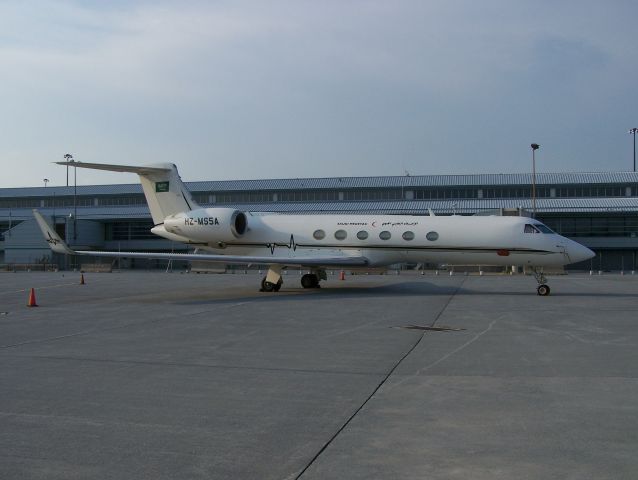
{"type": "Point", "coordinates": [239, 223]}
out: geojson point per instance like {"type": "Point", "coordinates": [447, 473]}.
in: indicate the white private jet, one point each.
{"type": "Point", "coordinates": [318, 242]}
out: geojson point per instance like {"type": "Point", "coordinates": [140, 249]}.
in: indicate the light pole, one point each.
{"type": "Point", "coordinates": [535, 146]}
{"type": "Point", "coordinates": [75, 203]}
{"type": "Point", "coordinates": [633, 132]}
{"type": "Point", "coordinates": [46, 180]}
{"type": "Point", "coordinates": [69, 158]}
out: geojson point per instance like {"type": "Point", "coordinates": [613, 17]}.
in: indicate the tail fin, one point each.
{"type": "Point", "coordinates": [51, 236]}
{"type": "Point", "coordinates": [165, 192]}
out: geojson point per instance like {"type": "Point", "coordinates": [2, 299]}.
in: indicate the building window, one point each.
{"type": "Point", "coordinates": [385, 235]}
{"type": "Point", "coordinates": [319, 234]}
{"type": "Point", "coordinates": [307, 196]}
{"type": "Point", "coordinates": [362, 235]}
{"type": "Point", "coordinates": [68, 202]}
{"type": "Point", "coordinates": [432, 236]}
{"type": "Point", "coordinates": [367, 195]}
{"type": "Point", "coordinates": [129, 231]}
{"type": "Point", "coordinates": [245, 197]}
{"type": "Point", "coordinates": [201, 198]}
{"type": "Point", "coordinates": [341, 234]}
{"type": "Point", "coordinates": [121, 201]}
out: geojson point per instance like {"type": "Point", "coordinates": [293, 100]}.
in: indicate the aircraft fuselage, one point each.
{"type": "Point", "coordinates": [382, 239]}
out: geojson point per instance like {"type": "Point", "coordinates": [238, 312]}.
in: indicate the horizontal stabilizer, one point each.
{"type": "Point", "coordinates": [117, 168]}
{"type": "Point", "coordinates": [163, 188]}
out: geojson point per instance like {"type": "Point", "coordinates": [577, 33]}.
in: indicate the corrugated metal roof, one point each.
{"type": "Point", "coordinates": [118, 189]}
{"type": "Point", "coordinates": [340, 183]}
{"type": "Point", "coordinates": [544, 205]}
{"type": "Point", "coordinates": [89, 213]}
{"type": "Point", "coordinates": [337, 183]}
{"type": "Point", "coordinates": [598, 205]}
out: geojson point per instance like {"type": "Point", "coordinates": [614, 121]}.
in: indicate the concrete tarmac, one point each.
{"type": "Point", "coordinates": [152, 375]}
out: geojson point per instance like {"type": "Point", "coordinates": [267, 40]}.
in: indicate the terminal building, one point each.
{"type": "Point", "coordinates": [599, 210]}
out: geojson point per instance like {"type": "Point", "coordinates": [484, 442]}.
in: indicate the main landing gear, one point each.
{"type": "Point", "coordinates": [272, 282]}
{"type": "Point", "coordinates": [267, 286]}
{"type": "Point", "coordinates": [542, 289]}
{"type": "Point", "coordinates": [310, 280]}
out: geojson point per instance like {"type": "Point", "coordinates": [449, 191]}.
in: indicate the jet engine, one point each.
{"type": "Point", "coordinates": [218, 225]}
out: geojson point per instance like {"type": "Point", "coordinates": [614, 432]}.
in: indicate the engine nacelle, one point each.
{"type": "Point", "coordinates": [219, 225]}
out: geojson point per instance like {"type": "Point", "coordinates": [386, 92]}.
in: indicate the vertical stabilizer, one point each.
{"type": "Point", "coordinates": [166, 194]}
{"type": "Point", "coordinates": [164, 190]}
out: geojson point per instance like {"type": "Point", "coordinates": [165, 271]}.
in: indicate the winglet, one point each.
{"type": "Point", "coordinates": [50, 235]}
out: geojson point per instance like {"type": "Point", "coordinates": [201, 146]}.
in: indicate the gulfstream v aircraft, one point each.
{"type": "Point", "coordinates": [317, 242]}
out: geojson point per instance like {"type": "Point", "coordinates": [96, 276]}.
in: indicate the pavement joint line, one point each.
{"type": "Point", "coordinates": [378, 387]}
{"type": "Point", "coordinates": [45, 287]}
{"type": "Point", "coordinates": [195, 365]}
{"type": "Point", "coordinates": [94, 330]}
{"type": "Point", "coordinates": [42, 340]}
{"type": "Point", "coordinates": [87, 421]}
{"type": "Point", "coordinates": [85, 332]}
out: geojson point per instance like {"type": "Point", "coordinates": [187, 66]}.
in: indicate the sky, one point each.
{"type": "Point", "coordinates": [294, 88]}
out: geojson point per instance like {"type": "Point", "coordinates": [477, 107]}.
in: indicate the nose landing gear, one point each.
{"type": "Point", "coordinates": [542, 289]}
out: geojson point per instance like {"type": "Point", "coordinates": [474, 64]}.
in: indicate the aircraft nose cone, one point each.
{"type": "Point", "coordinates": [579, 253]}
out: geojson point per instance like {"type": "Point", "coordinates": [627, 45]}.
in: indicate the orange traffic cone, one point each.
{"type": "Point", "coordinates": [31, 302]}
{"type": "Point", "coordinates": [82, 279]}
{"type": "Point", "coordinates": [342, 275]}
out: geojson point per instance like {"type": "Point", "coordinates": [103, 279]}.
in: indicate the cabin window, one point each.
{"type": "Point", "coordinates": [385, 235]}
{"type": "Point", "coordinates": [432, 236]}
{"type": "Point", "coordinates": [408, 236]}
{"type": "Point", "coordinates": [319, 234]}
{"type": "Point", "coordinates": [543, 228]}
{"type": "Point", "coordinates": [341, 234]}
{"type": "Point", "coordinates": [362, 235]}
{"type": "Point", "coordinates": [531, 228]}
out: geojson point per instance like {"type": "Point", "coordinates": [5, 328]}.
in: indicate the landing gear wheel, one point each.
{"type": "Point", "coordinates": [543, 290]}
{"type": "Point", "coordinates": [268, 286]}
{"type": "Point", "coordinates": [310, 280]}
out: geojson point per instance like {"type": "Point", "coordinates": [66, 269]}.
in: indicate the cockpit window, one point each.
{"type": "Point", "coordinates": [530, 228]}
{"type": "Point", "coordinates": [543, 228]}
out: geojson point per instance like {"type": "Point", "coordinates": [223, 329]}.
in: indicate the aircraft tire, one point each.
{"type": "Point", "coordinates": [268, 286]}
{"type": "Point", "coordinates": [310, 280]}
{"type": "Point", "coordinates": [543, 290]}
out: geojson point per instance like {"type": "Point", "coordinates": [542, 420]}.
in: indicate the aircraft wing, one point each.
{"type": "Point", "coordinates": [318, 261]}
{"type": "Point", "coordinates": [58, 246]}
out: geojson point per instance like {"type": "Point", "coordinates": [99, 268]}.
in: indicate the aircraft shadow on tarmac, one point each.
{"type": "Point", "coordinates": [401, 289]}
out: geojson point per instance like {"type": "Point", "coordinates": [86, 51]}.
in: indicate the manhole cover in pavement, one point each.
{"type": "Point", "coordinates": [442, 328]}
